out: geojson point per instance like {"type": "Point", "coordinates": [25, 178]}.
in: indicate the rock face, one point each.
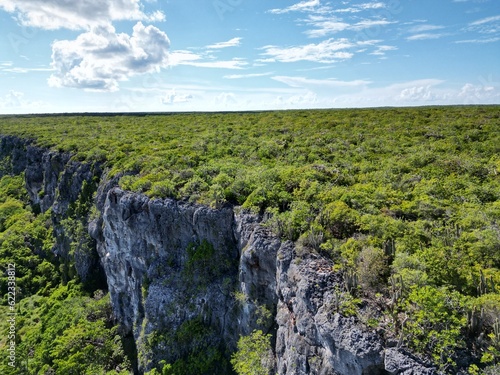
{"type": "Point", "coordinates": [55, 181]}
{"type": "Point", "coordinates": [312, 338]}
{"type": "Point", "coordinates": [174, 267]}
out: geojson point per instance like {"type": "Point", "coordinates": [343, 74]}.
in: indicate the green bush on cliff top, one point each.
{"type": "Point", "coordinates": [415, 191]}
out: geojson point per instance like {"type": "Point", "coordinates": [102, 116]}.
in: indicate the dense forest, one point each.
{"type": "Point", "coordinates": [405, 201]}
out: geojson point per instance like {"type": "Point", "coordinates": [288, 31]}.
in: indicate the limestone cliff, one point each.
{"type": "Point", "coordinates": [173, 266]}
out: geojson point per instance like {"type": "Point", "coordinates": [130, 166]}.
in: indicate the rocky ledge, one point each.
{"type": "Point", "coordinates": [171, 264]}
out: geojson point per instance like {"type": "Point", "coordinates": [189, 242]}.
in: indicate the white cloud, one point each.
{"type": "Point", "coordinates": [326, 83]}
{"type": "Point", "coordinates": [327, 51]}
{"type": "Point", "coordinates": [100, 58]}
{"type": "Point", "coordinates": [206, 58]}
{"type": "Point", "coordinates": [183, 57]}
{"type": "Point", "coordinates": [426, 36]}
{"type": "Point", "coordinates": [303, 6]}
{"type": "Point", "coordinates": [172, 97]}
{"type": "Point", "coordinates": [479, 41]}
{"type": "Point", "coordinates": [417, 94]}
{"type": "Point", "coordinates": [12, 100]}
{"type": "Point", "coordinates": [305, 100]}
{"type": "Point", "coordinates": [251, 75]}
{"type": "Point", "coordinates": [327, 25]}
{"type": "Point", "coordinates": [225, 99]}
{"type": "Point", "coordinates": [76, 15]}
{"type": "Point", "coordinates": [198, 60]}
{"type": "Point", "coordinates": [487, 26]}
{"type": "Point", "coordinates": [361, 7]}
{"type": "Point", "coordinates": [15, 102]}
{"type": "Point", "coordinates": [235, 42]}
{"type": "Point", "coordinates": [423, 28]}
{"type": "Point", "coordinates": [235, 63]}
{"type": "Point", "coordinates": [19, 70]}
{"type": "Point", "coordinates": [381, 50]}
{"type": "Point", "coordinates": [485, 20]}
{"type": "Point", "coordinates": [314, 6]}
{"type": "Point", "coordinates": [476, 94]}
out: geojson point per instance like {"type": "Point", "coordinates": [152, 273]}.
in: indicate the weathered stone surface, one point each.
{"type": "Point", "coordinates": [54, 181]}
{"type": "Point", "coordinates": [168, 262]}
{"type": "Point", "coordinates": [399, 363]}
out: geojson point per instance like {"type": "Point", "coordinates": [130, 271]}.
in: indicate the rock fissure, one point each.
{"type": "Point", "coordinates": [173, 268]}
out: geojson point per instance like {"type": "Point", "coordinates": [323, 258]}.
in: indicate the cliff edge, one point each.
{"type": "Point", "coordinates": [185, 278]}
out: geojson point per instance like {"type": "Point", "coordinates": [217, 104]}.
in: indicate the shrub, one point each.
{"type": "Point", "coordinates": [254, 355]}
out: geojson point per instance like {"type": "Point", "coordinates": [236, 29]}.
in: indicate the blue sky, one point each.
{"type": "Point", "coordinates": [199, 55]}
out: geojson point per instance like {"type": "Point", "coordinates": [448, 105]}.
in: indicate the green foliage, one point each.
{"type": "Point", "coordinates": [26, 241]}
{"type": "Point", "coordinates": [344, 303]}
{"type": "Point", "coordinates": [68, 333]}
{"type": "Point", "coordinates": [254, 356]}
{"type": "Point", "coordinates": [205, 263]}
{"type": "Point", "coordinates": [59, 329]}
{"type": "Point", "coordinates": [435, 322]}
{"type": "Point", "coordinates": [192, 346]}
{"type": "Point", "coordinates": [372, 268]}
{"type": "Point", "coordinates": [339, 219]}
{"type": "Point", "coordinates": [410, 193]}
{"type": "Point", "coordinates": [13, 187]}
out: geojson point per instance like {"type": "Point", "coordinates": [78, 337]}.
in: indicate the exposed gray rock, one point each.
{"type": "Point", "coordinates": [312, 338]}
{"type": "Point", "coordinates": [257, 273]}
{"type": "Point", "coordinates": [54, 181]}
{"type": "Point", "coordinates": [168, 263]}
{"type": "Point", "coordinates": [398, 363]}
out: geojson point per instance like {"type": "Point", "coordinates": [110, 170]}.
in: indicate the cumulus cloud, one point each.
{"type": "Point", "coordinates": [225, 99]}
{"type": "Point", "coordinates": [307, 99]}
{"type": "Point", "coordinates": [76, 15]}
{"type": "Point", "coordinates": [100, 58]}
{"type": "Point", "coordinates": [12, 100]}
{"type": "Point", "coordinates": [475, 94]}
{"type": "Point", "coordinates": [172, 97]}
{"type": "Point", "coordinates": [417, 94]}
{"type": "Point", "coordinates": [16, 102]}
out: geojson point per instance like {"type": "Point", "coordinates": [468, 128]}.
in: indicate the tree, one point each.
{"type": "Point", "coordinates": [254, 355]}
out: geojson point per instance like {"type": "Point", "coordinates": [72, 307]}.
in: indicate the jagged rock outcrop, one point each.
{"type": "Point", "coordinates": [172, 265]}
{"type": "Point", "coordinates": [55, 181]}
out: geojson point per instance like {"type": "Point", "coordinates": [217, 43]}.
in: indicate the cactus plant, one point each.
{"type": "Point", "coordinates": [351, 281]}
{"type": "Point", "coordinates": [475, 320]}
{"type": "Point", "coordinates": [485, 285]}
